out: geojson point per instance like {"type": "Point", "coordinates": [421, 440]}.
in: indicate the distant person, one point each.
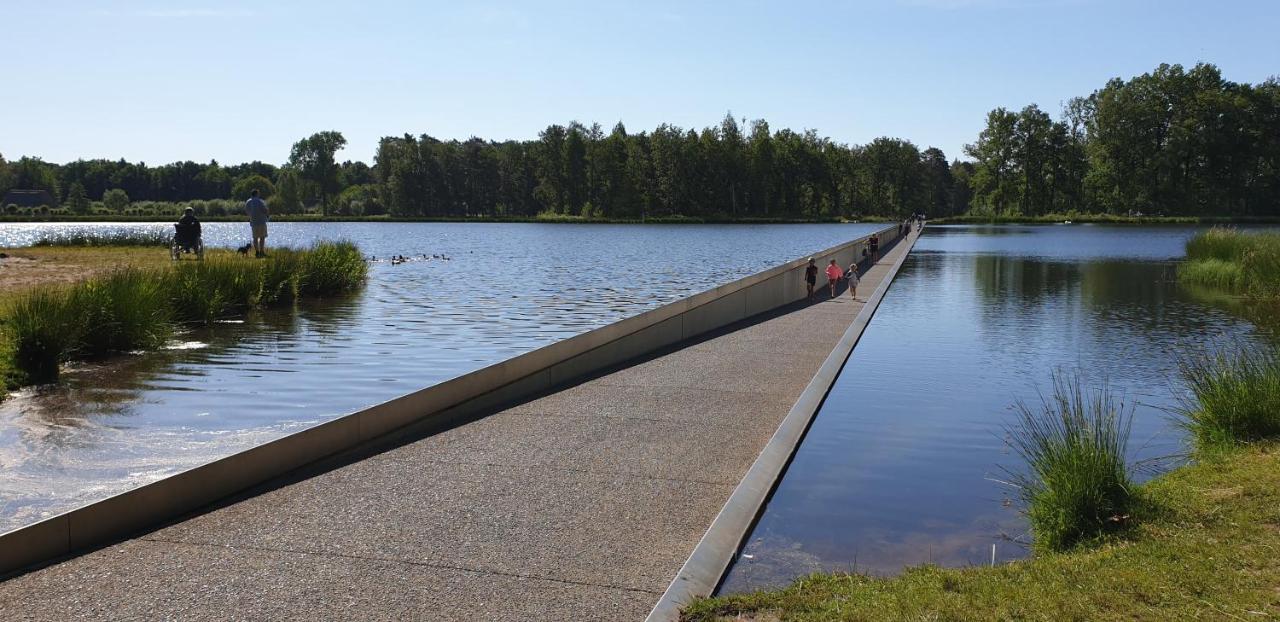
{"type": "Point", "coordinates": [258, 217]}
{"type": "Point", "coordinates": [833, 276]}
{"type": "Point", "coordinates": [874, 243]}
{"type": "Point", "coordinates": [189, 220]}
{"type": "Point", "coordinates": [852, 276]}
{"type": "Point", "coordinates": [811, 276]}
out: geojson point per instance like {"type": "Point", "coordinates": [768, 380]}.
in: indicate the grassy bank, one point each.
{"type": "Point", "coordinates": [1206, 549]}
{"type": "Point", "coordinates": [1117, 219]}
{"type": "Point", "coordinates": [1234, 262]}
{"type": "Point", "coordinates": [136, 308]}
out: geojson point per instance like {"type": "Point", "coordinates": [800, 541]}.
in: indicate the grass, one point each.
{"type": "Point", "coordinates": [132, 308]}
{"type": "Point", "coordinates": [1077, 484]}
{"type": "Point", "coordinates": [1099, 218]}
{"type": "Point", "coordinates": [1235, 398]}
{"type": "Point", "coordinates": [1235, 262]}
{"type": "Point", "coordinates": [1206, 549]}
{"type": "Point", "coordinates": [118, 237]}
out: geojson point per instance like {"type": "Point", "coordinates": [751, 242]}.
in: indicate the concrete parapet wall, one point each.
{"type": "Point", "coordinates": [473, 393]}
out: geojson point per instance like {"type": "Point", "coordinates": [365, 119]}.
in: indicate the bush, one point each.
{"type": "Point", "coordinates": [43, 331]}
{"type": "Point", "coordinates": [1235, 397]}
{"type": "Point", "coordinates": [115, 200]}
{"type": "Point", "coordinates": [1077, 486]}
{"type": "Point", "coordinates": [204, 291]}
{"type": "Point", "coordinates": [1235, 262]}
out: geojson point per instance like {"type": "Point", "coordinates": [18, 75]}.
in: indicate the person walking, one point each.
{"type": "Point", "coordinates": [811, 276]}
{"type": "Point", "coordinates": [874, 243]}
{"type": "Point", "coordinates": [258, 217]}
{"type": "Point", "coordinates": [833, 276]}
{"type": "Point", "coordinates": [852, 276]}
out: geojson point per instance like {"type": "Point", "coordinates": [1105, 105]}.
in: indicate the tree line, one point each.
{"type": "Point", "coordinates": [1173, 141]}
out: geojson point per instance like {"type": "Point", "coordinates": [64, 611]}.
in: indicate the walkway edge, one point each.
{"type": "Point", "coordinates": [703, 570]}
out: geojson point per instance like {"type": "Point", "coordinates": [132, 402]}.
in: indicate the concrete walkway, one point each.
{"type": "Point", "coordinates": [580, 505]}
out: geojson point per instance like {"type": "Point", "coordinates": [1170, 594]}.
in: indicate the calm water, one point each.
{"type": "Point", "coordinates": [505, 289]}
{"type": "Point", "coordinates": [902, 462]}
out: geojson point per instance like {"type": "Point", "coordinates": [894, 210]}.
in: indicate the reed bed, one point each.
{"type": "Point", "coordinates": [1234, 261]}
{"type": "Point", "coordinates": [137, 309]}
{"type": "Point", "coordinates": [1077, 484]}
{"type": "Point", "coordinates": [160, 236]}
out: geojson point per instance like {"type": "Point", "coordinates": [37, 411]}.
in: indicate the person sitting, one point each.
{"type": "Point", "coordinates": [186, 235]}
{"type": "Point", "coordinates": [190, 222]}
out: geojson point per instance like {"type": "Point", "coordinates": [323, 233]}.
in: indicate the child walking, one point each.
{"type": "Point", "coordinates": [852, 275]}
{"type": "Point", "coordinates": [833, 276]}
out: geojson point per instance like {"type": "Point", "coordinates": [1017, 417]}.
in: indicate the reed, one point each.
{"type": "Point", "coordinates": [136, 309]}
{"type": "Point", "coordinates": [330, 268]}
{"type": "Point", "coordinates": [1235, 262]}
{"type": "Point", "coordinates": [1076, 485]}
{"type": "Point", "coordinates": [113, 237]}
{"type": "Point", "coordinates": [1234, 397]}
{"type": "Point", "coordinates": [42, 330]}
{"type": "Point", "coordinates": [126, 309]}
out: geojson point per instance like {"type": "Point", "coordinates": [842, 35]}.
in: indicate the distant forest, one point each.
{"type": "Point", "coordinates": [1172, 142]}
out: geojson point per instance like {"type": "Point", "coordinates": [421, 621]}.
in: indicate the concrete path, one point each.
{"type": "Point", "coordinates": [580, 505]}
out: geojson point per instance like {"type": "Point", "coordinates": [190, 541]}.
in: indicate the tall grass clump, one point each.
{"type": "Point", "coordinates": [203, 291]}
{"type": "Point", "coordinates": [330, 268]}
{"type": "Point", "coordinates": [43, 330]}
{"type": "Point", "coordinates": [1235, 397]}
{"type": "Point", "coordinates": [127, 309]}
{"type": "Point", "coordinates": [1233, 261]}
{"type": "Point", "coordinates": [1076, 484]}
{"type": "Point", "coordinates": [112, 237]}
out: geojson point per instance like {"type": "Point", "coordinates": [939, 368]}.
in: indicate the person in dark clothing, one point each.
{"type": "Point", "coordinates": [811, 276]}
{"type": "Point", "coordinates": [874, 243]}
{"type": "Point", "coordinates": [189, 220]}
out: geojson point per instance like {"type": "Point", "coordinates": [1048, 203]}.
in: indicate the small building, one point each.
{"type": "Point", "coordinates": [27, 198]}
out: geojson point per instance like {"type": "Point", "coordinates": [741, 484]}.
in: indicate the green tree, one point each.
{"type": "Point", "coordinates": [314, 158]}
{"type": "Point", "coordinates": [78, 199]}
{"type": "Point", "coordinates": [288, 192]}
{"type": "Point", "coordinates": [245, 186]}
{"type": "Point", "coordinates": [115, 200]}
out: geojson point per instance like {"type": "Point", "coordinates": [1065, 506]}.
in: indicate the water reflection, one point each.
{"type": "Point", "coordinates": [904, 461]}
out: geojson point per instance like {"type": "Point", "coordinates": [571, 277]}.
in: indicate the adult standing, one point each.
{"type": "Point", "coordinates": [258, 217]}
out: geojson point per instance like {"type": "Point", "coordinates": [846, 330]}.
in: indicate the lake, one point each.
{"type": "Point", "coordinates": [904, 462]}
{"type": "Point", "coordinates": [471, 295]}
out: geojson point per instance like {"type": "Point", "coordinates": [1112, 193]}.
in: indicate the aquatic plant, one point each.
{"type": "Point", "coordinates": [332, 268]}
{"type": "Point", "coordinates": [113, 237]}
{"type": "Point", "coordinates": [126, 309]}
{"type": "Point", "coordinates": [132, 309]}
{"type": "Point", "coordinates": [1234, 261]}
{"type": "Point", "coordinates": [42, 330]}
{"type": "Point", "coordinates": [1235, 397]}
{"type": "Point", "coordinates": [1076, 485]}
{"type": "Point", "coordinates": [204, 291]}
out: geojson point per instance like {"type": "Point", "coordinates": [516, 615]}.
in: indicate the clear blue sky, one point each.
{"type": "Point", "coordinates": [236, 81]}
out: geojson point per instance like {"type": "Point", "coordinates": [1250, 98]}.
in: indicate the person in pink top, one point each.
{"type": "Point", "coordinates": [833, 276]}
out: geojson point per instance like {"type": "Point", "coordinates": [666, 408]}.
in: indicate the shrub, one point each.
{"type": "Point", "coordinates": [1235, 397]}
{"type": "Point", "coordinates": [1077, 483]}
{"type": "Point", "coordinates": [1235, 262]}
{"type": "Point", "coordinates": [154, 236]}
{"type": "Point", "coordinates": [204, 291]}
{"type": "Point", "coordinates": [115, 200]}
{"type": "Point", "coordinates": [43, 331]}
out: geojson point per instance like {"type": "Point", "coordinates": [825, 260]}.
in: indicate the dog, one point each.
{"type": "Point", "coordinates": [244, 250]}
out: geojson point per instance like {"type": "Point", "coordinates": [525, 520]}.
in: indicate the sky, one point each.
{"type": "Point", "coordinates": [239, 81]}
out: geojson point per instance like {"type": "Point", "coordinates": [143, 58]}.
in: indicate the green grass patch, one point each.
{"type": "Point", "coordinates": [1205, 550]}
{"type": "Point", "coordinates": [1235, 262]}
{"type": "Point", "coordinates": [136, 309]}
{"type": "Point", "coordinates": [1235, 398]}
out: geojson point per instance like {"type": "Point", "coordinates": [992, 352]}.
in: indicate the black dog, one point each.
{"type": "Point", "coordinates": [244, 250]}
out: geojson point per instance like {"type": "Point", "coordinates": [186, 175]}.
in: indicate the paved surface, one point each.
{"type": "Point", "coordinates": [580, 505]}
